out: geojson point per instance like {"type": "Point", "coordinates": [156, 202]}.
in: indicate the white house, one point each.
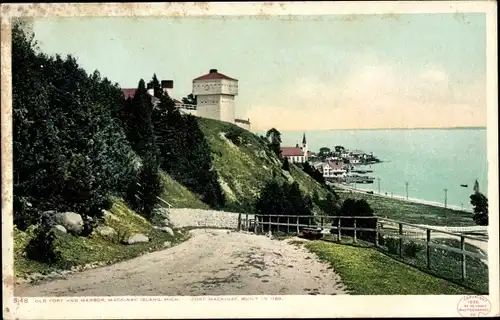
{"type": "Point", "coordinates": [333, 169]}
{"type": "Point", "coordinates": [297, 154]}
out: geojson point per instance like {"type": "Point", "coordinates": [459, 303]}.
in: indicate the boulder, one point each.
{"type": "Point", "coordinates": [167, 230]}
{"type": "Point", "coordinates": [109, 215]}
{"type": "Point", "coordinates": [60, 228]}
{"type": "Point", "coordinates": [72, 221]}
{"type": "Point", "coordinates": [167, 244]}
{"type": "Point", "coordinates": [137, 238]}
{"type": "Point", "coordinates": [105, 230]}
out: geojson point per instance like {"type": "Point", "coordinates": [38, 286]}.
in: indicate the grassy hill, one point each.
{"type": "Point", "coordinates": [245, 168]}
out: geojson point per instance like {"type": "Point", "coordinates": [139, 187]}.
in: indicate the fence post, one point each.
{"type": "Point", "coordinates": [287, 224]}
{"type": "Point", "coordinates": [376, 233]}
{"type": "Point", "coordinates": [256, 224]}
{"type": "Point", "coordinates": [278, 223]}
{"type": "Point", "coordinates": [247, 223]}
{"type": "Point", "coordinates": [462, 247]}
{"type": "Point", "coordinates": [309, 225]}
{"type": "Point", "coordinates": [338, 230]}
{"type": "Point", "coordinates": [428, 247]}
{"type": "Point", "coordinates": [239, 221]}
{"type": "Point", "coordinates": [400, 240]}
{"type": "Point", "coordinates": [298, 230]}
{"type": "Point", "coordinates": [355, 233]}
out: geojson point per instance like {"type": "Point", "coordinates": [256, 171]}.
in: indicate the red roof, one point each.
{"type": "Point", "coordinates": [291, 151]}
{"type": "Point", "coordinates": [336, 165]}
{"type": "Point", "coordinates": [129, 93]}
{"type": "Point", "coordinates": [212, 75]}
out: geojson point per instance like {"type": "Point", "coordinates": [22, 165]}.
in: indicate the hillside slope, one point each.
{"type": "Point", "coordinates": [245, 168]}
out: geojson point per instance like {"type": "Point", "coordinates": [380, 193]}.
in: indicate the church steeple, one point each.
{"type": "Point", "coordinates": [304, 139]}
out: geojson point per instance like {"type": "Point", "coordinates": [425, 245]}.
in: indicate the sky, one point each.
{"type": "Point", "coordinates": [300, 73]}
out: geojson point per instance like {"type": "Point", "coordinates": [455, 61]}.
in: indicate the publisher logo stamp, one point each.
{"type": "Point", "coordinates": [474, 306]}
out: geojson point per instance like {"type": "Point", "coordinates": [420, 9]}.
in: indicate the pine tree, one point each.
{"type": "Point", "coordinates": [158, 91]}
{"type": "Point", "coordinates": [480, 204]}
{"type": "Point", "coordinates": [286, 165]}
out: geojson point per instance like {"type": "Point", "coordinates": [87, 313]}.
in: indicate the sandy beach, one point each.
{"type": "Point", "coordinates": [402, 198]}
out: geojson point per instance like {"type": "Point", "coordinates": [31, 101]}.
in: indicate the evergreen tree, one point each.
{"type": "Point", "coordinates": [480, 204]}
{"type": "Point", "coordinates": [70, 152]}
{"type": "Point", "coordinates": [274, 139]}
{"type": "Point", "coordinates": [190, 99]}
{"type": "Point", "coordinates": [150, 185]}
{"type": "Point", "coordinates": [286, 165]}
{"type": "Point", "coordinates": [158, 91]}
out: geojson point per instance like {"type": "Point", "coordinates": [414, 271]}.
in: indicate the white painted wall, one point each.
{"type": "Point", "coordinates": [209, 107]}
{"type": "Point", "coordinates": [226, 108]}
{"type": "Point", "coordinates": [243, 125]}
{"type": "Point", "coordinates": [217, 86]}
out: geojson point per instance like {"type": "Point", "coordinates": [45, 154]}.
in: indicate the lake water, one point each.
{"type": "Point", "coordinates": [429, 159]}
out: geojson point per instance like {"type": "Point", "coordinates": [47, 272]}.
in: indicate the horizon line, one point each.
{"type": "Point", "coordinates": [399, 128]}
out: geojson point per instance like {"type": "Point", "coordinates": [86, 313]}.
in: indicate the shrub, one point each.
{"type": "Point", "coordinates": [412, 249]}
{"type": "Point", "coordinates": [89, 224]}
{"type": "Point", "coordinates": [42, 247]}
{"type": "Point", "coordinates": [234, 135]}
{"type": "Point", "coordinates": [392, 245]}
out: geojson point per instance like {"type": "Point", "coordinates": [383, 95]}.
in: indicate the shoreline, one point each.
{"type": "Point", "coordinates": [402, 198]}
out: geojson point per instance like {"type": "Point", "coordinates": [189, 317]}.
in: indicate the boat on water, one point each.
{"type": "Point", "coordinates": [362, 171]}
{"type": "Point", "coordinates": [464, 185]}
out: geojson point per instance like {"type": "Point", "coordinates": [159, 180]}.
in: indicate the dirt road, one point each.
{"type": "Point", "coordinates": [212, 262]}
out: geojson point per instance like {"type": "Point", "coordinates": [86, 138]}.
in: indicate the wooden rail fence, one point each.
{"type": "Point", "coordinates": [391, 228]}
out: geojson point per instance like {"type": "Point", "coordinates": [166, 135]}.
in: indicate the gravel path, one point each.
{"type": "Point", "coordinates": [212, 262]}
{"type": "Point", "coordinates": [204, 218]}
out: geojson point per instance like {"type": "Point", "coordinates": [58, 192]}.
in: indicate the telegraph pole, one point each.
{"type": "Point", "coordinates": [378, 180]}
{"type": "Point", "coordinates": [406, 183]}
{"type": "Point", "coordinates": [445, 197]}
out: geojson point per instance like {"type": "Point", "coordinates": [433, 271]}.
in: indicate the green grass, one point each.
{"type": "Point", "coordinates": [448, 264]}
{"type": "Point", "coordinates": [411, 212]}
{"type": "Point", "coordinates": [178, 195]}
{"type": "Point", "coordinates": [366, 271]}
{"type": "Point", "coordinates": [245, 169]}
{"type": "Point", "coordinates": [78, 251]}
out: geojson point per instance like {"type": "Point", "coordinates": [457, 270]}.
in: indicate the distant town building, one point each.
{"type": "Point", "coordinates": [297, 154]}
{"type": "Point", "coordinates": [332, 169]}
{"type": "Point", "coordinates": [214, 92]}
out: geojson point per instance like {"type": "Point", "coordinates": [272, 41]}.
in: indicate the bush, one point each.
{"type": "Point", "coordinates": [42, 247]}
{"type": "Point", "coordinates": [234, 135]}
{"type": "Point", "coordinates": [412, 249]}
{"type": "Point", "coordinates": [89, 224]}
{"type": "Point", "coordinates": [392, 245]}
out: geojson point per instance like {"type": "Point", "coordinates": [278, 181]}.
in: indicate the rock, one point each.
{"type": "Point", "coordinates": [167, 244]}
{"type": "Point", "coordinates": [35, 276]}
{"type": "Point", "coordinates": [166, 222]}
{"type": "Point", "coordinates": [60, 228]}
{"type": "Point", "coordinates": [109, 215]}
{"type": "Point", "coordinates": [165, 229]}
{"type": "Point", "coordinates": [72, 221]}
{"type": "Point", "coordinates": [137, 238]}
{"type": "Point", "coordinates": [105, 230]}
{"type": "Point", "coordinates": [169, 231]}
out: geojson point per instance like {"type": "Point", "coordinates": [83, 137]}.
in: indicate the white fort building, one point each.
{"type": "Point", "coordinates": [215, 94]}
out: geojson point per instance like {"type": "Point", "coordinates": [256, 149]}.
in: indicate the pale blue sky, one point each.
{"type": "Point", "coordinates": [412, 70]}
